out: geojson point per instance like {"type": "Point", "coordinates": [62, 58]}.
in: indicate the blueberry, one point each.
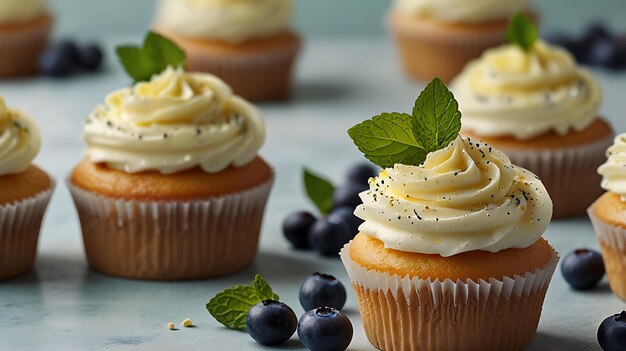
{"type": "Point", "coordinates": [608, 53]}
{"type": "Point", "coordinates": [574, 46]}
{"type": "Point", "coordinates": [346, 215]}
{"type": "Point", "coordinates": [58, 60]}
{"type": "Point", "coordinates": [321, 290]}
{"type": "Point", "coordinates": [592, 34]}
{"type": "Point", "coordinates": [612, 333]}
{"type": "Point", "coordinates": [271, 322]}
{"type": "Point", "coordinates": [620, 62]}
{"type": "Point", "coordinates": [582, 268]}
{"type": "Point", "coordinates": [325, 329]}
{"type": "Point", "coordinates": [361, 173]}
{"type": "Point", "coordinates": [90, 57]}
{"type": "Point", "coordinates": [596, 31]}
{"type": "Point", "coordinates": [328, 236]}
{"type": "Point", "coordinates": [296, 228]}
{"type": "Point", "coordinates": [69, 48]}
{"type": "Point", "coordinates": [348, 195]}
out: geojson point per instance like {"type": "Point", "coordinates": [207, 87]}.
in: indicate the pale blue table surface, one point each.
{"type": "Point", "coordinates": [62, 305]}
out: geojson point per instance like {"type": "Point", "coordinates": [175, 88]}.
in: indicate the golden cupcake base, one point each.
{"type": "Point", "coordinates": [171, 240]}
{"type": "Point", "coordinates": [429, 48]}
{"type": "Point", "coordinates": [414, 312]}
{"type": "Point", "coordinates": [608, 216]}
{"type": "Point", "coordinates": [257, 70]}
{"type": "Point", "coordinates": [20, 220]}
{"type": "Point", "coordinates": [21, 44]}
{"type": "Point", "coordinates": [187, 225]}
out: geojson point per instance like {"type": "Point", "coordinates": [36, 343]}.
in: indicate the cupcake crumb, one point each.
{"type": "Point", "coordinates": [187, 323]}
{"type": "Point", "coordinates": [171, 326]}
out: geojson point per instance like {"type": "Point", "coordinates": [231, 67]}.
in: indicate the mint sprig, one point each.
{"type": "Point", "coordinates": [156, 54]}
{"type": "Point", "coordinates": [263, 289]}
{"type": "Point", "coordinates": [438, 117]}
{"type": "Point", "coordinates": [319, 190]}
{"type": "Point", "coordinates": [231, 306]}
{"type": "Point", "coordinates": [522, 31]}
{"type": "Point", "coordinates": [391, 138]}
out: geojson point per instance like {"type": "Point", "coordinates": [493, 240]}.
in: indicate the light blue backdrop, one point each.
{"type": "Point", "coordinates": [91, 18]}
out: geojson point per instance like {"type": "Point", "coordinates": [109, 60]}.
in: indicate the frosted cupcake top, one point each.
{"type": "Point", "coordinates": [232, 21]}
{"type": "Point", "coordinates": [461, 11]}
{"type": "Point", "coordinates": [15, 11]}
{"type": "Point", "coordinates": [175, 121]}
{"type": "Point", "coordinates": [20, 140]}
{"type": "Point", "coordinates": [443, 194]}
{"type": "Point", "coordinates": [526, 90]}
{"type": "Point", "coordinates": [465, 197]}
{"type": "Point", "coordinates": [613, 171]}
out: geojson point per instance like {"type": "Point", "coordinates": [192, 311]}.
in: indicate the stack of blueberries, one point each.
{"type": "Point", "coordinates": [323, 328]}
{"type": "Point", "coordinates": [597, 46]}
{"type": "Point", "coordinates": [66, 57]}
{"type": "Point", "coordinates": [328, 234]}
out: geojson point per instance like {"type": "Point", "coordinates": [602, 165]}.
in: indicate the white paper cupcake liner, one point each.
{"type": "Point", "coordinates": [404, 313]}
{"type": "Point", "coordinates": [461, 291]}
{"type": "Point", "coordinates": [564, 172]}
{"type": "Point", "coordinates": [171, 239]}
{"type": "Point", "coordinates": [611, 235]}
{"type": "Point", "coordinates": [256, 74]}
{"type": "Point", "coordinates": [430, 50]}
{"type": "Point", "coordinates": [20, 224]}
{"type": "Point", "coordinates": [21, 46]}
{"type": "Point", "coordinates": [613, 244]}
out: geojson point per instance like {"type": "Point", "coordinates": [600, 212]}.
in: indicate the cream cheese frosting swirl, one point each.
{"type": "Point", "coordinates": [613, 171]}
{"type": "Point", "coordinates": [20, 140]}
{"type": "Point", "coordinates": [15, 11]}
{"type": "Point", "coordinates": [174, 122]}
{"type": "Point", "coordinates": [465, 197]}
{"type": "Point", "coordinates": [229, 20]}
{"type": "Point", "coordinates": [461, 11]}
{"type": "Point", "coordinates": [510, 92]}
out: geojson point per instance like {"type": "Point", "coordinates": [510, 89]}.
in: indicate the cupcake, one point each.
{"type": "Point", "coordinates": [25, 191]}
{"type": "Point", "coordinates": [437, 38]}
{"type": "Point", "coordinates": [171, 186]}
{"type": "Point", "coordinates": [24, 29]}
{"type": "Point", "coordinates": [450, 254]}
{"type": "Point", "coordinates": [535, 104]}
{"type": "Point", "coordinates": [608, 215]}
{"type": "Point", "coordinates": [247, 43]}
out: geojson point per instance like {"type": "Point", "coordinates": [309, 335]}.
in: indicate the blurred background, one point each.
{"type": "Point", "coordinates": [317, 18]}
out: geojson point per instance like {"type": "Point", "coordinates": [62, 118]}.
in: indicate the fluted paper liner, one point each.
{"type": "Point", "coordinates": [259, 75]}
{"type": "Point", "coordinates": [255, 77]}
{"type": "Point", "coordinates": [613, 244]}
{"type": "Point", "coordinates": [404, 313]}
{"type": "Point", "coordinates": [569, 174]}
{"type": "Point", "coordinates": [20, 224]}
{"type": "Point", "coordinates": [429, 53]}
{"type": "Point", "coordinates": [168, 240]}
{"type": "Point", "coordinates": [21, 46]}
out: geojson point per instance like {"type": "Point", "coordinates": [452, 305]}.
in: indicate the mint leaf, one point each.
{"type": "Point", "coordinates": [156, 54]}
{"type": "Point", "coordinates": [388, 139]}
{"type": "Point", "coordinates": [231, 306]}
{"type": "Point", "coordinates": [135, 62]}
{"type": "Point", "coordinates": [438, 120]}
{"type": "Point", "coordinates": [162, 52]}
{"type": "Point", "coordinates": [263, 289]}
{"type": "Point", "coordinates": [522, 31]}
{"type": "Point", "coordinates": [319, 190]}
{"type": "Point", "coordinates": [391, 138]}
